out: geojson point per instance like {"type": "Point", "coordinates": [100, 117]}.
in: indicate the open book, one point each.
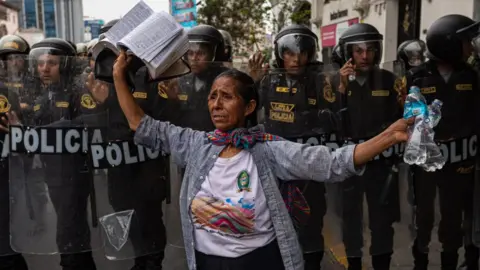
{"type": "Point", "coordinates": [154, 37]}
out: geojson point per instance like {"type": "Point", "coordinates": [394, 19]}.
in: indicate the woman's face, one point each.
{"type": "Point", "coordinates": [227, 108]}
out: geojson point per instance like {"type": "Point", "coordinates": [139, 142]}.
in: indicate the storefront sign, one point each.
{"type": "Point", "coordinates": [338, 14]}
{"type": "Point", "coordinates": [331, 33]}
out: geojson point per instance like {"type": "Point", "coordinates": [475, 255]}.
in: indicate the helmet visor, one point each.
{"type": "Point", "coordinates": [201, 51]}
{"type": "Point", "coordinates": [372, 48]}
{"type": "Point", "coordinates": [415, 53]}
{"type": "Point", "coordinates": [297, 44]}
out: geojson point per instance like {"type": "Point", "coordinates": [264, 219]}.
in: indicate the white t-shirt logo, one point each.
{"type": "Point", "coordinates": [243, 181]}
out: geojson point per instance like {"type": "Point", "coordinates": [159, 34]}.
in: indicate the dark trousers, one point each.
{"type": "Point", "coordinates": [267, 257]}
{"type": "Point", "coordinates": [382, 214]}
{"type": "Point", "coordinates": [13, 262]}
{"type": "Point", "coordinates": [454, 190]}
{"type": "Point", "coordinates": [142, 187]}
{"type": "Point", "coordinates": [310, 235]}
{"type": "Point", "coordinates": [73, 231]}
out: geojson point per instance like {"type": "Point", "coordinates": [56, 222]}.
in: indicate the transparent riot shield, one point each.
{"type": "Point", "coordinates": [5, 106]}
{"type": "Point", "coordinates": [372, 221]}
{"type": "Point", "coordinates": [188, 96]}
{"type": "Point", "coordinates": [300, 105]}
{"type": "Point", "coordinates": [52, 193]}
{"type": "Point", "coordinates": [137, 179]}
{"type": "Point", "coordinates": [364, 216]}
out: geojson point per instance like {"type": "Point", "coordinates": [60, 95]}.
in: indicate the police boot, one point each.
{"type": "Point", "coordinates": [313, 260]}
{"type": "Point", "coordinates": [381, 262]}
{"type": "Point", "coordinates": [355, 263]}
{"type": "Point", "coordinates": [420, 259]}
{"type": "Point", "coordinates": [77, 261]}
{"type": "Point", "coordinates": [449, 260]}
{"type": "Point", "coordinates": [471, 258]}
{"type": "Point", "coordinates": [13, 262]}
{"type": "Point", "coordinates": [149, 262]}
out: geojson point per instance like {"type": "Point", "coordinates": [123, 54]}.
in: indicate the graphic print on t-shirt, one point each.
{"type": "Point", "coordinates": [233, 217]}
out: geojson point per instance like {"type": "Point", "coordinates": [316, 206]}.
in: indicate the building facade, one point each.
{"type": "Point", "coordinates": [397, 20]}
{"type": "Point", "coordinates": [57, 18]}
{"type": "Point", "coordinates": [8, 18]}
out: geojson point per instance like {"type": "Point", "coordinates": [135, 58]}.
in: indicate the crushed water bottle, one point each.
{"type": "Point", "coordinates": [421, 148]}
{"type": "Point", "coordinates": [435, 159]}
{"type": "Point", "coordinates": [415, 106]}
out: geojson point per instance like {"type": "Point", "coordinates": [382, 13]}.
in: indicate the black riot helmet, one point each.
{"type": "Point", "coordinates": [58, 47]}
{"type": "Point", "coordinates": [364, 37]}
{"type": "Point", "coordinates": [337, 57]}
{"type": "Point", "coordinates": [295, 39]}
{"type": "Point", "coordinates": [108, 25]}
{"type": "Point", "coordinates": [411, 53]}
{"type": "Point", "coordinates": [13, 44]}
{"type": "Point", "coordinates": [227, 40]}
{"type": "Point", "coordinates": [209, 40]}
{"type": "Point", "coordinates": [445, 38]}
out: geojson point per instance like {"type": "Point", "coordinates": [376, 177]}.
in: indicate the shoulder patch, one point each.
{"type": "Point", "coordinates": [328, 93]}
{"type": "Point", "coordinates": [400, 85]}
{"type": "Point", "coordinates": [162, 90]}
{"type": "Point", "coordinates": [4, 104]}
{"type": "Point", "coordinates": [87, 101]}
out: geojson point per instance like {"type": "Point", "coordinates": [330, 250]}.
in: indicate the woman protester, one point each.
{"type": "Point", "coordinates": [232, 213]}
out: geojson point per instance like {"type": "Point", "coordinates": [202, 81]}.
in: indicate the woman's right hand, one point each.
{"type": "Point", "coordinates": [347, 70]}
{"type": "Point", "coordinates": [120, 66]}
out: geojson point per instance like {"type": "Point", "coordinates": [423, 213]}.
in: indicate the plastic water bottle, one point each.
{"type": "Point", "coordinates": [435, 159]}
{"type": "Point", "coordinates": [416, 106]}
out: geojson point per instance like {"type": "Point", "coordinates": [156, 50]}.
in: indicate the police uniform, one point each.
{"type": "Point", "coordinates": [291, 105]}
{"type": "Point", "coordinates": [457, 140]}
{"type": "Point", "coordinates": [371, 107]}
{"type": "Point", "coordinates": [141, 186]}
{"type": "Point", "coordinates": [291, 110]}
{"type": "Point", "coordinates": [370, 103]}
{"type": "Point", "coordinates": [447, 77]}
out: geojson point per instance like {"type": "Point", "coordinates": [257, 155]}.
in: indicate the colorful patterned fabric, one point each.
{"type": "Point", "coordinates": [296, 204]}
{"type": "Point", "coordinates": [241, 137]}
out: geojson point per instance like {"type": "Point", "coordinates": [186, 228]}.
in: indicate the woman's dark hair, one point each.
{"type": "Point", "coordinates": [246, 89]}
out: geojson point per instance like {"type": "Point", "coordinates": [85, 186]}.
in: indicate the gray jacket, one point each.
{"type": "Point", "coordinates": [274, 160]}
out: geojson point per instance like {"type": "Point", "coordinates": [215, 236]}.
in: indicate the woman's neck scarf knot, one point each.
{"type": "Point", "coordinates": [241, 137]}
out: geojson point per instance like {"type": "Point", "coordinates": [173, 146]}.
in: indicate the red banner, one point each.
{"type": "Point", "coordinates": [331, 33]}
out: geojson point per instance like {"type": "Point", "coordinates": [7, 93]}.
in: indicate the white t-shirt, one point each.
{"type": "Point", "coordinates": [230, 213]}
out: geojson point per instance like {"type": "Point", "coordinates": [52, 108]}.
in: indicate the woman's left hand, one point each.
{"type": "Point", "coordinates": [398, 130]}
{"type": "Point", "coordinates": [121, 65]}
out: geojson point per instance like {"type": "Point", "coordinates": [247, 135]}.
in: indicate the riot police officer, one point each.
{"type": "Point", "coordinates": [10, 46]}
{"type": "Point", "coordinates": [69, 181]}
{"type": "Point", "coordinates": [290, 103]}
{"type": "Point", "coordinates": [447, 77]}
{"type": "Point", "coordinates": [206, 56]}
{"type": "Point", "coordinates": [367, 92]}
{"type": "Point", "coordinates": [13, 50]}
{"type": "Point", "coordinates": [227, 39]}
{"type": "Point", "coordinates": [411, 53]}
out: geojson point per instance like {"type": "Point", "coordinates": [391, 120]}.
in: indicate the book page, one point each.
{"type": "Point", "coordinates": [174, 51]}
{"type": "Point", "coordinates": [152, 36]}
{"type": "Point", "coordinates": [138, 14]}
